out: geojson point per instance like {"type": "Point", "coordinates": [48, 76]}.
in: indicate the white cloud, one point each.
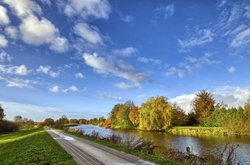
{"type": "Point", "coordinates": [88, 33]}
{"type": "Point", "coordinates": [21, 70]}
{"type": "Point", "coordinates": [127, 18]}
{"type": "Point", "coordinates": [229, 95]}
{"type": "Point", "coordinates": [11, 31]}
{"type": "Point", "coordinates": [3, 41]}
{"type": "Point", "coordinates": [59, 44]}
{"type": "Point", "coordinates": [54, 89]}
{"type": "Point", "coordinates": [146, 60]}
{"type": "Point", "coordinates": [124, 85]}
{"type": "Point", "coordinates": [167, 10]}
{"type": "Point", "coordinates": [5, 57]}
{"type": "Point", "coordinates": [241, 39]}
{"type": "Point", "coordinates": [71, 89]}
{"type": "Point", "coordinates": [191, 65]}
{"type": "Point", "coordinates": [88, 8]}
{"type": "Point", "coordinates": [200, 37]}
{"type": "Point", "coordinates": [111, 97]}
{"type": "Point", "coordinates": [184, 101]}
{"type": "Point", "coordinates": [24, 8]}
{"type": "Point", "coordinates": [232, 96]}
{"type": "Point", "coordinates": [18, 83]}
{"type": "Point", "coordinates": [16, 70]}
{"type": "Point", "coordinates": [33, 30]}
{"type": "Point", "coordinates": [4, 19]}
{"type": "Point", "coordinates": [47, 70]}
{"type": "Point", "coordinates": [118, 68]}
{"type": "Point", "coordinates": [126, 52]}
{"type": "Point", "coordinates": [231, 69]}
{"type": "Point", "coordinates": [37, 113]}
{"type": "Point", "coordinates": [36, 32]}
{"type": "Point", "coordinates": [79, 75]}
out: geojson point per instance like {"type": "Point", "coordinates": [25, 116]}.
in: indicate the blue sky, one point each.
{"type": "Point", "coordinates": [80, 57]}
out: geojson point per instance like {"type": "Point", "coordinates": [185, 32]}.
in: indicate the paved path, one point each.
{"type": "Point", "coordinates": [90, 153]}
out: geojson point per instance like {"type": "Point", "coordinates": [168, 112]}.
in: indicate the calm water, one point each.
{"type": "Point", "coordinates": [197, 144]}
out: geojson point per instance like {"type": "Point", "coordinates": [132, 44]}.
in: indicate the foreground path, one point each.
{"type": "Point", "coordinates": [90, 153]}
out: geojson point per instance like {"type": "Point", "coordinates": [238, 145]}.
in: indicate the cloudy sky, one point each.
{"type": "Point", "coordinates": [80, 57]}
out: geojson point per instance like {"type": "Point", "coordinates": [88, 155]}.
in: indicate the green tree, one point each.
{"type": "Point", "coordinates": [18, 119]}
{"type": "Point", "coordinates": [203, 105]}
{"type": "Point", "coordinates": [1, 113]}
{"type": "Point", "coordinates": [155, 114]}
{"type": "Point", "coordinates": [119, 115]}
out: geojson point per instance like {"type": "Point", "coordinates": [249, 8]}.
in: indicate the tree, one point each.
{"type": "Point", "coordinates": [178, 118]}
{"type": "Point", "coordinates": [18, 119]}
{"type": "Point", "coordinates": [48, 122]}
{"type": "Point", "coordinates": [247, 108]}
{"type": "Point", "coordinates": [203, 105]}
{"type": "Point", "coordinates": [155, 114]}
{"type": "Point", "coordinates": [1, 113]}
{"type": "Point", "coordinates": [119, 115]}
{"type": "Point", "coordinates": [134, 116]}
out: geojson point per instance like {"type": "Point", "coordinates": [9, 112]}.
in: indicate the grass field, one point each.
{"type": "Point", "coordinates": [32, 147]}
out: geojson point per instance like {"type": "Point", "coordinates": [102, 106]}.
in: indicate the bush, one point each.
{"type": "Point", "coordinates": [8, 126]}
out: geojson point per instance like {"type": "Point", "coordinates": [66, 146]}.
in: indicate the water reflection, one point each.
{"type": "Point", "coordinates": [196, 144]}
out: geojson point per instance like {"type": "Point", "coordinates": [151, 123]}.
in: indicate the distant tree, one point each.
{"type": "Point", "coordinates": [18, 119]}
{"type": "Point", "coordinates": [1, 113]}
{"type": "Point", "coordinates": [59, 123]}
{"type": "Point", "coordinates": [48, 122]}
{"type": "Point", "coordinates": [178, 118]}
{"type": "Point", "coordinates": [155, 114]}
{"type": "Point", "coordinates": [28, 124]}
{"type": "Point", "coordinates": [74, 121]}
{"type": "Point", "coordinates": [203, 105]}
{"type": "Point", "coordinates": [107, 123]}
{"type": "Point", "coordinates": [82, 121]}
{"type": "Point", "coordinates": [134, 116]}
{"type": "Point", "coordinates": [247, 108]}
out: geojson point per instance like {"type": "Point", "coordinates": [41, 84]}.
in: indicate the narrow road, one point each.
{"type": "Point", "coordinates": [89, 153]}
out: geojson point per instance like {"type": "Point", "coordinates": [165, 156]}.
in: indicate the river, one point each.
{"type": "Point", "coordinates": [197, 144]}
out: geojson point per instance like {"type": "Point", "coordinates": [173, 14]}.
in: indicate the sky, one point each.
{"type": "Point", "coordinates": [81, 57]}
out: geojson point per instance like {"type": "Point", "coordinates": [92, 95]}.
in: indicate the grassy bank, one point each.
{"type": "Point", "coordinates": [31, 147]}
{"type": "Point", "coordinates": [143, 155]}
{"type": "Point", "coordinates": [201, 131]}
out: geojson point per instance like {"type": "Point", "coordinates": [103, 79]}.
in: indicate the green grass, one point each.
{"type": "Point", "coordinates": [201, 131]}
{"type": "Point", "coordinates": [143, 155]}
{"type": "Point", "coordinates": [32, 147]}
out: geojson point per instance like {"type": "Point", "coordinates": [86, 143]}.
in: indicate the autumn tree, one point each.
{"type": "Point", "coordinates": [48, 122]}
{"type": "Point", "coordinates": [247, 108]}
{"type": "Point", "coordinates": [134, 116]}
{"type": "Point", "coordinates": [178, 117]}
{"type": "Point", "coordinates": [155, 114]}
{"type": "Point", "coordinates": [203, 105]}
{"type": "Point", "coordinates": [1, 113]}
{"type": "Point", "coordinates": [119, 115]}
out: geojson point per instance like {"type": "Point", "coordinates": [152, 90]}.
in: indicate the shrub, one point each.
{"type": "Point", "coordinates": [8, 126]}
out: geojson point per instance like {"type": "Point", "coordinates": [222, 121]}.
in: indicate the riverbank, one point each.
{"type": "Point", "coordinates": [143, 155]}
{"type": "Point", "coordinates": [32, 147]}
{"type": "Point", "coordinates": [204, 131]}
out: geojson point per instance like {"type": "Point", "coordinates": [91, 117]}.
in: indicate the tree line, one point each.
{"type": "Point", "coordinates": [157, 114]}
